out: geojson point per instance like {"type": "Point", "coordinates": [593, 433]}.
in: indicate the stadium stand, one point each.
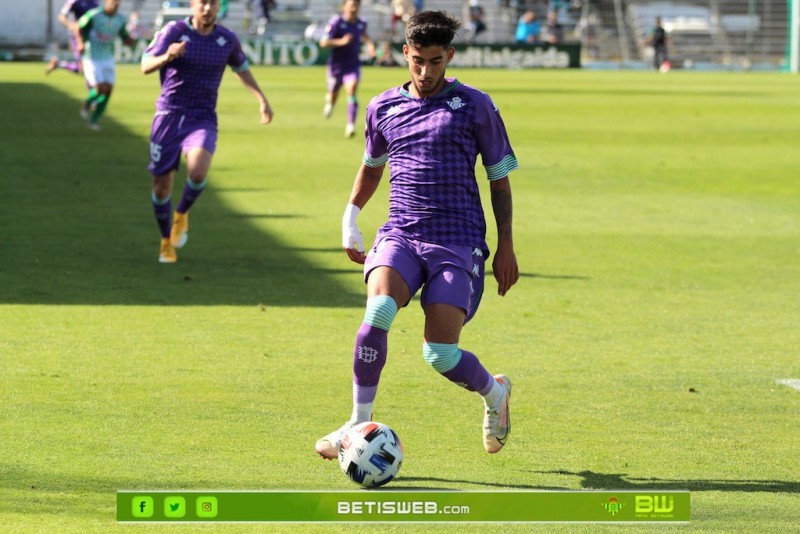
{"type": "Point", "coordinates": [740, 33]}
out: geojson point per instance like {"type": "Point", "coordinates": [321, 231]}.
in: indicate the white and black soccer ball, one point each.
{"type": "Point", "coordinates": [371, 454]}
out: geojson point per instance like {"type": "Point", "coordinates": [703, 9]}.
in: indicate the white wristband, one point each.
{"type": "Point", "coordinates": [351, 236]}
{"type": "Point", "coordinates": [350, 214]}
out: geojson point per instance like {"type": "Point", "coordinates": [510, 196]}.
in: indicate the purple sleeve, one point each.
{"type": "Point", "coordinates": [493, 143]}
{"type": "Point", "coordinates": [162, 40]}
{"type": "Point", "coordinates": [237, 60]}
{"type": "Point", "coordinates": [331, 27]}
{"type": "Point", "coordinates": [376, 151]}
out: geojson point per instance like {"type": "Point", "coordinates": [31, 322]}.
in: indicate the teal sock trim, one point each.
{"type": "Point", "coordinates": [441, 356]}
{"type": "Point", "coordinates": [194, 186]}
{"type": "Point", "coordinates": [92, 96]}
{"type": "Point", "coordinates": [380, 312]}
{"type": "Point", "coordinates": [99, 107]}
{"type": "Point", "coordinates": [159, 201]}
{"type": "Point", "coordinates": [352, 99]}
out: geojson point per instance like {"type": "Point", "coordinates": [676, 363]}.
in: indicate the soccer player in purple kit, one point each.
{"type": "Point", "coordinates": [344, 35]}
{"type": "Point", "coordinates": [431, 131]}
{"type": "Point", "coordinates": [191, 56]}
{"type": "Point", "coordinates": [76, 8]}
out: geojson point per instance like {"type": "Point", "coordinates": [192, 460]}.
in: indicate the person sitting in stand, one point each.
{"type": "Point", "coordinates": [529, 28]}
{"type": "Point", "coordinates": [554, 32]}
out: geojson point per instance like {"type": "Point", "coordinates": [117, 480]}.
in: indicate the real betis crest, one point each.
{"type": "Point", "coordinates": [456, 103]}
{"type": "Point", "coordinates": [613, 505]}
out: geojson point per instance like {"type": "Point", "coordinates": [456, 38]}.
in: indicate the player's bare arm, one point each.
{"type": "Point", "coordinates": [68, 23]}
{"type": "Point", "coordinates": [371, 50]}
{"type": "Point", "coordinates": [336, 43]}
{"type": "Point", "coordinates": [252, 85]}
{"type": "Point", "coordinates": [504, 265]}
{"type": "Point", "coordinates": [365, 185]}
{"type": "Point", "coordinates": [154, 63]}
{"type": "Point", "coordinates": [80, 42]}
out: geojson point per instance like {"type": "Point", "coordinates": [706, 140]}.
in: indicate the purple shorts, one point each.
{"type": "Point", "coordinates": [450, 274]}
{"type": "Point", "coordinates": [175, 133]}
{"type": "Point", "coordinates": [337, 76]}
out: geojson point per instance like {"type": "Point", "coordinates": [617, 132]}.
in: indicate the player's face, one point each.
{"type": "Point", "coordinates": [111, 6]}
{"type": "Point", "coordinates": [427, 67]}
{"type": "Point", "coordinates": [350, 8]}
{"type": "Point", "coordinates": [205, 12]}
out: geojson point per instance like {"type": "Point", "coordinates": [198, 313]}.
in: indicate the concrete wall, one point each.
{"type": "Point", "coordinates": [24, 22]}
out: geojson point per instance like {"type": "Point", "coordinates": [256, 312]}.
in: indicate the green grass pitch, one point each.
{"type": "Point", "coordinates": [657, 227]}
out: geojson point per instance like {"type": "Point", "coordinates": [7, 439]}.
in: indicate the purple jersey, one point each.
{"type": "Point", "coordinates": [78, 7]}
{"type": "Point", "coordinates": [190, 84]}
{"type": "Point", "coordinates": [432, 145]}
{"type": "Point", "coordinates": [345, 56]}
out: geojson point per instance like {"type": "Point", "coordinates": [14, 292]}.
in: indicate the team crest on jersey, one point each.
{"type": "Point", "coordinates": [185, 39]}
{"type": "Point", "coordinates": [456, 103]}
{"type": "Point", "coordinates": [222, 41]}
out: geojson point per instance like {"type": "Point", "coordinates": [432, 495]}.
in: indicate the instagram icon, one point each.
{"type": "Point", "coordinates": [207, 507]}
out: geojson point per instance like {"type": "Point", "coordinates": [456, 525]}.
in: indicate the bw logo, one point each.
{"type": "Point", "coordinates": [659, 504]}
{"type": "Point", "coordinates": [367, 354]}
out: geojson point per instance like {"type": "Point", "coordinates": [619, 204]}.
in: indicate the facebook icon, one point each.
{"type": "Point", "coordinates": [142, 506]}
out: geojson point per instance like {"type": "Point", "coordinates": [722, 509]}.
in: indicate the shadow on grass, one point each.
{"type": "Point", "coordinates": [76, 224]}
{"type": "Point", "coordinates": [617, 482]}
{"type": "Point", "coordinates": [620, 481]}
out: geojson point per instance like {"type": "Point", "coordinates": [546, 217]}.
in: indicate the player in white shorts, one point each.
{"type": "Point", "coordinates": [97, 31]}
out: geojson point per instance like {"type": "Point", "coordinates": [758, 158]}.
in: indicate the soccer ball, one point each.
{"type": "Point", "coordinates": [371, 454]}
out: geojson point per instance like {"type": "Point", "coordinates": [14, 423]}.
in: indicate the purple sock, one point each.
{"type": "Point", "coordinates": [470, 374]}
{"type": "Point", "coordinates": [163, 210]}
{"type": "Point", "coordinates": [364, 394]}
{"type": "Point", "coordinates": [71, 66]}
{"type": "Point", "coordinates": [369, 355]}
{"type": "Point", "coordinates": [352, 111]}
{"type": "Point", "coordinates": [190, 194]}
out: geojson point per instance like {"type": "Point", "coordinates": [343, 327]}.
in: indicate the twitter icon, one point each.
{"type": "Point", "coordinates": [174, 507]}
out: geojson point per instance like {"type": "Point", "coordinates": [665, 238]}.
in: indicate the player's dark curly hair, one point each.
{"type": "Point", "coordinates": [431, 28]}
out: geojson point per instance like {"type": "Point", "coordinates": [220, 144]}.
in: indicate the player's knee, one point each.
{"type": "Point", "coordinates": [196, 176]}
{"type": "Point", "coordinates": [381, 310]}
{"type": "Point", "coordinates": [160, 197]}
{"type": "Point", "coordinates": [441, 356]}
{"type": "Point", "coordinates": [162, 192]}
{"type": "Point", "coordinates": [197, 182]}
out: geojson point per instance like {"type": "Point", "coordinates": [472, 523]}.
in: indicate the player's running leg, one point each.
{"type": "Point", "coordinates": [162, 208]}
{"type": "Point", "coordinates": [198, 162]}
{"type": "Point", "coordinates": [161, 199]}
{"type": "Point", "coordinates": [351, 86]}
{"type": "Point", "coordinates": [99, 106]}
{"type": "Point", "coordinates": [450, 299]}
{"type": "Point", "coordinates": [369, 357]}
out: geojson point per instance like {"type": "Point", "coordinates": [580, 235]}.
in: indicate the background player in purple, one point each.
{"type": "Point", "coordinates": [431, 131]}
{"type": "Point", "coordinates": [344, 35]}
{"type": "Point", "coordinates": [191, 56]}
{"type": "Point", "coordinates": [76, 8]}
